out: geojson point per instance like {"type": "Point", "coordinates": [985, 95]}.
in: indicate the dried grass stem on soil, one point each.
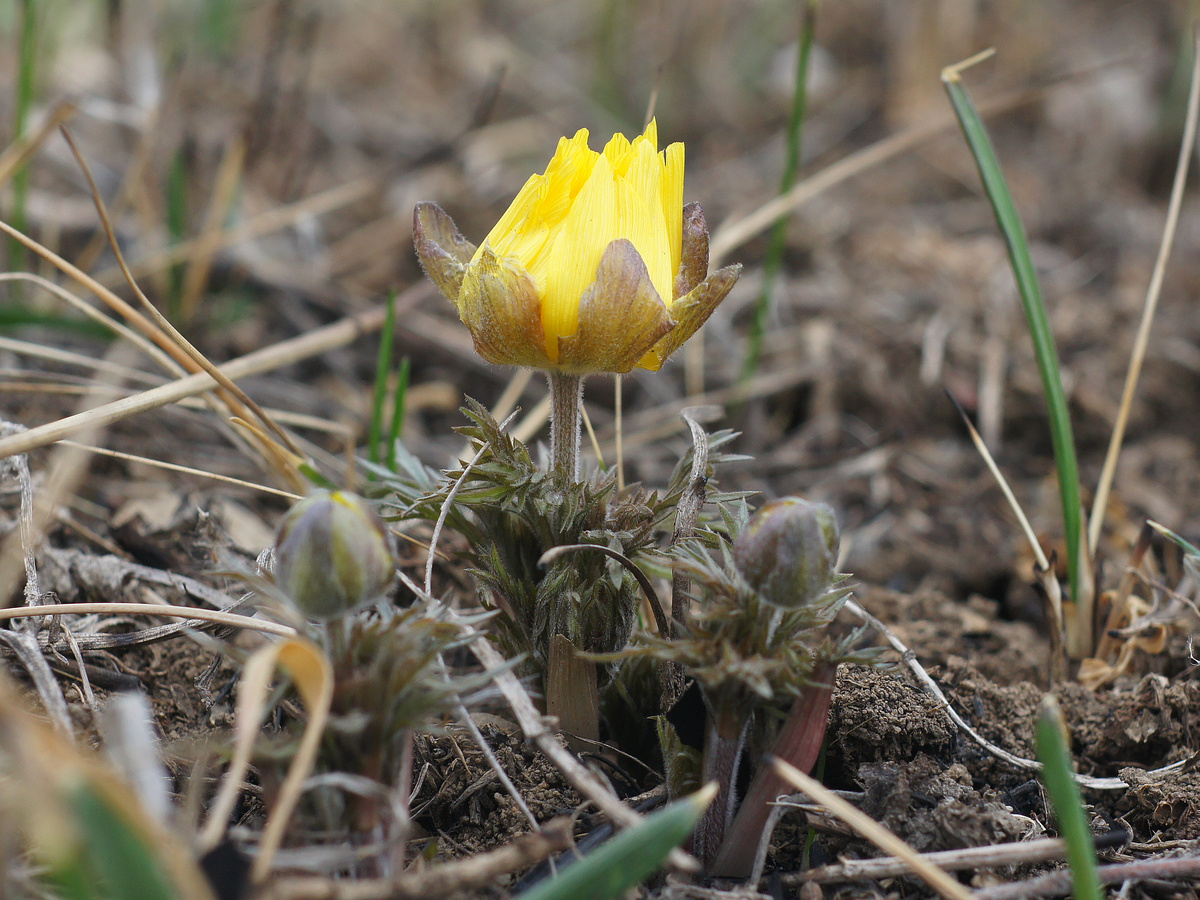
{"type": "Point", "coordinates": [445, 880]}
{"type": "Point", "coordinates": [320, 340]}
{"type": "Point", "coordinates": [931, 874]}
{"type": "Point", "coordinates": [1058, 884]}
{"type": "Point", "coordinates": [1010, 854]}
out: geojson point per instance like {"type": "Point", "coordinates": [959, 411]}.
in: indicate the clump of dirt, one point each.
{"type": "Point", "coordinates": [1155, 720]}
{"type": "Point", "coordinates": [1163, 806]}
{"type": "Point", "coordinates": [877, 716]}
{"type": "Point", "coordinates": [940, 628]}
{"type": "Point", "coordinates": [935, 807]}
{"type": "Point", "coordinates": [461, 799]}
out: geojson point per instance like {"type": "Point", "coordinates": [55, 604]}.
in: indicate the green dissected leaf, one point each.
{"type": "Point", "coordinates": [629, 858]}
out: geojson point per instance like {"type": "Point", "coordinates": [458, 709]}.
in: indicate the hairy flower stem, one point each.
{"type": "Point", "coordinates": [566, 394]}
{"type": "Point", "coordinates": [570, 681]}
{"type": "Point", "coordinates": [724, 738]}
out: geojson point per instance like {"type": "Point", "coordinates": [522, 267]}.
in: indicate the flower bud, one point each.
{"type": "Point", "coordinates": [333, 554]}
{"type": "Point", "coordinates": [788, 551]}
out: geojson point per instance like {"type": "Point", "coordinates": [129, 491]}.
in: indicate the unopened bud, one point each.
{"type": "Point", "coordinates": [788, 551]}
{"type": "Point", "coordinates": [333, 554]}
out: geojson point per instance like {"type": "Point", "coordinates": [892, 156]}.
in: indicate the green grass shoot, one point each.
{"type": "Point", "coordinates": [1035, 314]}
{"type": "Point", "coordinates": [629, 858]}
{"type": "Point", "coordinates": [773, 260]}
{"type": "Point", "coordinates": [383, 371]}
{"type": "Point", "coordinates": [177, 216]}
{"type": "Point", "coordinates": [104, 855]}
{"type": "Point", "coordinates": [396, 432]}
{"type": "Point", "coordinates": [1067, 801]}
{"type": "Point", "coordinates": [27, 53]}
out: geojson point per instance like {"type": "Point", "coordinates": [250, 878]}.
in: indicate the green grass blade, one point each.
{"type": "Point", "coordinates": [396, 432]}
{"type": "Point", "coordinates": [177, 224]}
{"type": "Point", "coordinates": [1067, 801]}
{"type": "Point", "coordinates": [124, 861]}
{"type": "Point", "coordinates": [383, 369]}
{"type": "Point", "coordinates": [629, 858]}
{"type": "Point", "coordinates": [773, 261]}
{"type": "Point", "coordinates": [1191, 553]}
{"type": "Point", "coordinates": [1035, 314]}
{"type": "Point", "coordinates": [27, 54]}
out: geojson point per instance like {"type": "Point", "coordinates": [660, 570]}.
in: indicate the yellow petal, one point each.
{"type": "Point", "coordinates": [525, 228]}
{"type": "Point", "coordinates": [640, 199]}
{"type": "Point", "coordinates": [565, 176]}
{"type": "Point", "coordinates": [517, 213]}
{"type": "Point", "coordinates": [619, 152]}
{"type": "Point", "coordinates": [672, 200]}
{"type": "Point", "coordinates": [592, 223]}
{"type": "Point", "coordinates": [651, 134]}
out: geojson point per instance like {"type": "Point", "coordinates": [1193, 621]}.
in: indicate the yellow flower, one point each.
{"type": "Point", "coordinates": [597, 266]}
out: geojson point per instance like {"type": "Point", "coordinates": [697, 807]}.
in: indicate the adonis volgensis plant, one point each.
{"type": "Point", "coordinates": [596, 267]}
{"type": "Point", "coordinates": [599, 267]}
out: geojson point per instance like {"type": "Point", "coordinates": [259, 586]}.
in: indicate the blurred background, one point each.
{"type": "Point", "coordinates": [261, 159]}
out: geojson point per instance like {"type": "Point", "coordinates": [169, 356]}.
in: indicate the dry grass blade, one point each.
{"type": "Point", "coordinates": [19, 151]}
{"type": "Point", "coordinates": [25, 646]}
{"type": "Point", "coordinates": [315, 205]}
{"type": "Point", "coordinates": [619, 424]}
{"type": "Point", "coordinates": [313, 678]}
{"type": "Point", "coordinates": [64, 472]}
{"type": "Point", "coordinates": [138, 340]}
{"type": "Point", "coordinates": [209, 240]}
{"type": "Point", "coordinates": [1058, 884]}
{"type": "Point", "coordinates": [936, 878]}
{"type": "Point", "coordinates": [1011, 854]}
{"type": "Point", "coordinates": [238, 397]}
{"type": "Point", "coordinates": [1002, 482]}
{"type": "Point", "coordinates": [446, 880]}
{"type": "Point", "coordinates": [733, 234]}
{"type": "Point", "coordinates": [114, 302]}
{"type": "Point", "coordinates": [507, 401]}
{"type": "Point", "coordinates": [444, 513]}
{"type": "Point", "coordinates": [1140, 342]}
{"type": "Point", "coordinates": [533, 421]}
{"type": "Point", "coordinates": [591, 433]}
{"type": "Point", "coordinates": [186, 470]}
{"type": "Point", "coordinates": [78, 360]}
{"type": "Point", "coordinates": [149, 609]}
{"type": "Point", "coordinates": [276, 356]}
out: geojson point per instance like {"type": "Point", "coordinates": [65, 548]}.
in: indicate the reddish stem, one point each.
{"type": "Point", "coordinates": [799, 743]}
{"type": "Point", "coordinates": [724, 735]}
